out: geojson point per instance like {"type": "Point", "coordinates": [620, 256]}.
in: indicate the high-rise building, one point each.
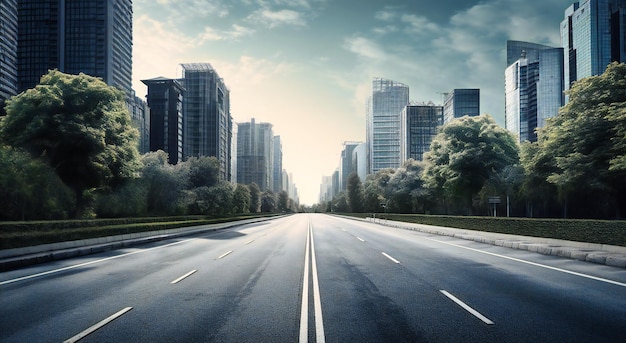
{"type": "Point", "coordinates": [533, 91]}
{"type": "Point", "coordinates": [277, 168]}
{"type": "Point", "coordinates": [8, 50]}
{"type": "Point", "coordinates": [592, 34]}
{"type": "Point", "coordinates": [383, 123]}
{"type": "Point", "coordinates": [461, 102]}
{"type": "Point", "coordinates": [165, 99]}
{"type": "Point", "coordinates": [255, 152]}
{"type": "Point", "coordinates": [346, 166]}
{"type": "Point", "coordinates": [359, 160]}
{"type": "Point", "coordinates": [140, 118]}
{"type": "Point", "coordinates": [94, 37]}
{"type": "Point", "coordinates": [207, 124]}
{"type": "Point", "coordinates": [419, 125]}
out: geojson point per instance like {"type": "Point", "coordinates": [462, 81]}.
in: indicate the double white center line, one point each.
{"type": "Point", "coordinates": [309, 254]}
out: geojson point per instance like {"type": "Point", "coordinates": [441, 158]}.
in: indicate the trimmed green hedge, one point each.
{"type": "Point", "coordinates": [22, 234]}
{"type": "Point", "coordinates": [611, 232]}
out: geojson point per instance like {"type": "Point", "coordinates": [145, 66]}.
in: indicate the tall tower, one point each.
{"type": "Point", "coordinates": [419, 125]}
{"type": "Point", "coordinates": [94, 37]}
{"type": "Point", "coordinates": [255, 152]}
{"type": "Point", "coordinates": [383, 123]}
{"type": "Point", "coordinates": [8, 50]}
{"type": "Point", "coordinates": [206, 116]}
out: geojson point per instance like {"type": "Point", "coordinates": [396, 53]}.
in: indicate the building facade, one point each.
{"type": "Point", "coordinates": [207, 123]}
{"type": "Point", "coordinates": [277, 167]}
{"type": "Point", "coordinates": [8, 50]}
{"type": "Point", "coordinates": [420, 123]}
{"type": "Point", "coordinates": [346, 164]}
{"type": "Point", "coordinates": [461, 102]}
{"type": "Point", "coordinates": [533, 91]}
{"type": "Point", "coordinates": [165, 100]}
{"type": "Point", "coordinates": [94, 37]}
{"type": "Point", "coordinates": [255, 152]}
{"type": "Point", "coordinates": [592, 36]}
{"type": "Point", "coordinates": [383, 123]}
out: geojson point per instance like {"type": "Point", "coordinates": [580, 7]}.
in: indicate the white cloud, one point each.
{"type": "Point", "coordinates": [367, 48]}
{"type": "Point", "coordinates": [278, 18]}
{"type": "Point", "coordinates": [211, 34]}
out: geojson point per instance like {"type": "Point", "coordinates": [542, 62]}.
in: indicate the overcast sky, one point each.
{"type": "Point", "coordinates": [306, 66]}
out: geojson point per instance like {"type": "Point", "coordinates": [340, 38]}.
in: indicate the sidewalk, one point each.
{"type": "Point", "coordinates": [609, 255]}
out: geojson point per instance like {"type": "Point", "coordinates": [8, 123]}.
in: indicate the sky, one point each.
{"type": "Point", "coordinates": [306, 66]}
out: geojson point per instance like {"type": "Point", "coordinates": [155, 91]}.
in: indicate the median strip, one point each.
{"type": "Point", "coordinates": [97, 326]}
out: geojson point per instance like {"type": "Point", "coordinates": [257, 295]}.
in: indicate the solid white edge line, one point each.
{"type": "Point", "coordinates": [391, 258]}
{"type": "Point", "coordinates": [88, 263]}
{"type": "Point", "coordinates": [304, 310]}
{"type": "Point", "coordinates": [97, 326]}
{"type": "Point", "coordinates": [534, 264]}
{"type": "Point", "coordinates": [467, 308]}
{"type": "Point", "coordinates": [225, 254]}
{"type": "Point", "coordinates": [183, 277]}
{"type": "Point", "coordinates": [319, 321]}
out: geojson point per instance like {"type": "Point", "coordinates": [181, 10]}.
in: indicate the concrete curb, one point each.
{"type": "Point", "coordinates": [22, 257]}
{"type": "Point", "coordinates": [610, 255]}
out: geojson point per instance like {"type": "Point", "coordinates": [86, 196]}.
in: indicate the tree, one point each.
{"type": "Point", "coordinates": [79, 126]}
{"type": "Point", "coordinates": [354, 189]}
{"type": "Point", "coordinates": [268, 202]}
{"type": "Point", "coordinates": [374, 190]}
{"type": "Point", "coordinates": [283, 201]}
{"type": "Point", "coordinates": [255, 198]}
{"type": "Point", "coordinates": [405, 188]}
{"type": "Point", "coordinates": [465, 154]}
{"type": "Point", "coordinates": [165, 184]}
{"type": "Point", "coordinates": [241, 199]}
{"type": "Point", "coordinates": [203, 171]}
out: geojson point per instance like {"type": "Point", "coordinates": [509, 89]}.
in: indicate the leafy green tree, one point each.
{"type": "Point", "coordinates": [165, 184]}
{"type": "Point", "coordinates": [241, 199]}
{"type": "Point", "coordinates": [405, 189]}
{"type": "Point", "coordinates": [268, 202]}
{"type": "Point", "coordinates": [354, 190]}
{"type": "Point", "coordinates": [216, 200]}
{"type": "Point", "coordinates": [586, 142]}
{"type": "Point", "coordinates": [80, 126]}
{"type": "Point", "coordinates": [203, 171]}
{"type": "Point", "coordinates": [283, 201]}
{"type": "Point", "coordinates": [465, 154]}
{"type": "Point", "coordinates": [255, 198]}
{"type": "Point", "coordinates": [340, 203]}
{"type": "Point", "coordinates": [374, 190]}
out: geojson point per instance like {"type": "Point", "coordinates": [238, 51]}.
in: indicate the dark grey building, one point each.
{"type": "Point", "coordinates": [346, 164]}
{"type": "Point", "coordinates": [165, 99]}
{"type": "Point", "coordinates": [207, 124]}
{"type": "Point", "coordinates": [8, 49]}
{"type": "Point", "coordinates": [255, 152]}
{"type": "Point", "coordinates": [94, 37]}
{"type": "Point", "coordinates": [420, 123]}
{"type": "Point", "coordinates": [277, 166]}
{"type": "Point", "coordinates": [461, 102]}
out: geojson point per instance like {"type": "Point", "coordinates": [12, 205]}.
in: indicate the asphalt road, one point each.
{"type": "Point", "coordinates": [362, 283]}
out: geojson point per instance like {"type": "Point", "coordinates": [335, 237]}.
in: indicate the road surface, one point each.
{"type": "Point", "coordinates": [362, 282]}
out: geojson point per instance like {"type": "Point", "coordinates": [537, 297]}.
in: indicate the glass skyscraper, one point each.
{"type": "Point", "coordinates": [94, 37]}
{"type": "Point", "coordinates": [255, 153]}
{"type": "Point", "coordinates": [207, 124]}
{"type": "Point", "coordinates": [533, 90]}
{"type": "Point", "coordinates": [592, 35]}
{"type": "Point", "coordinates": [461, 102]}
{"type": "Point", "coordinates": [383, 123]}
{"type": "Point", "coordinates": [8, 49]}
{"type": "Point", "coordinates": [420, 123]}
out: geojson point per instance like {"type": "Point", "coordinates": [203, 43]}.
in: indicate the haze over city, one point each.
{"type": "Point", "coordinates": [307, 66]}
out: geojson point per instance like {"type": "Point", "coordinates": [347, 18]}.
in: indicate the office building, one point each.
{"type": "Point", "coordinates": [383, 123]}
{"type": "Point", "coordinates": [592, 36]}
{"type": "Point", "coordinates": [255, 152]}
{"type": "Point", "coordinates": [165, 100]}
{"type": "Point", "coordinates": [207, 124]}
{"type": "Point", "coordinates": [346, 165]}
{"type": "Point", "coordinates": [277, 168]}
{"type": "Point", "coordinates": [533, 91]}
{"type": "Point", "coordinates": [420, 123]}
{"type": "Point", "coordinates": [8, 50]}
{"type": "Point", "coordinates": [140, 118]}
{"type": "Point", "coordinates": [359, 160]}
{"type": "Point", "coordinates": [461, 102]}
{"type": "Point", "coordinates": [92, 37]}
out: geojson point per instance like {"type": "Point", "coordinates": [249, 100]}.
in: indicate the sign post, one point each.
{"type": "Point", "coordinates": [495, 200]}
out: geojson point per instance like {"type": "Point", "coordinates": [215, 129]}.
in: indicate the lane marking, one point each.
{"type": "Point", "coordinates": [467, 308]}
{"type": "Point", "coordinates": [225, 254]}
{"type": "Point", "coordinates": [304, 310]}
{"type": "Point", "coordinates": [250, 241]}
{"type": "Point", "coordinates": [360, 239]}
{"type": "Point", "coordinates": [183, 277]}
{"type": "Point", "coordinates": [319, 322]}
{"type": "Point", "coordinates": [534, 264]}
{"type": "Point", "coordinates": [97, 326]}
{"type": "Point", "coordinates": [89, 263]}
{"type": "Point", "coordinates": [391, 258]}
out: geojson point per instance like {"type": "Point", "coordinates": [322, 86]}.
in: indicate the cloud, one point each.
{"type": "Point", "coordinates": [366, 48]}
{"type": "Point", "coordinates": [273, 19]}
{"type": "Point", "coordinates": [211, 34]}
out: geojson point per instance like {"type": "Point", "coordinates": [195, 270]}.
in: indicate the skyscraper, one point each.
{"type": "Point", "coordinates": [461, 102]}
{"type": "Point", "coordinates": [419, 125]}
{"type": "Point", "coordinates": [8, 49]}
{"type": "Point", "coordinates": [94, 37]}
{"type": "Point", "coordinates": [346, 164]}
{"type": "Point", "coordinates": [255, 152]}
{"type": "Point", "coordinates": [165, 99]}
{"type": "Point", "coordinates": [533, 91]}
{"type": "Point", "coordinates": [383, 123]}
{"type": "Point", "coordinates": [592, 34]}
{"type": "Point", "coordinates": [277, 166]}
{"type": "Point", "coordinates": [207, 124]}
